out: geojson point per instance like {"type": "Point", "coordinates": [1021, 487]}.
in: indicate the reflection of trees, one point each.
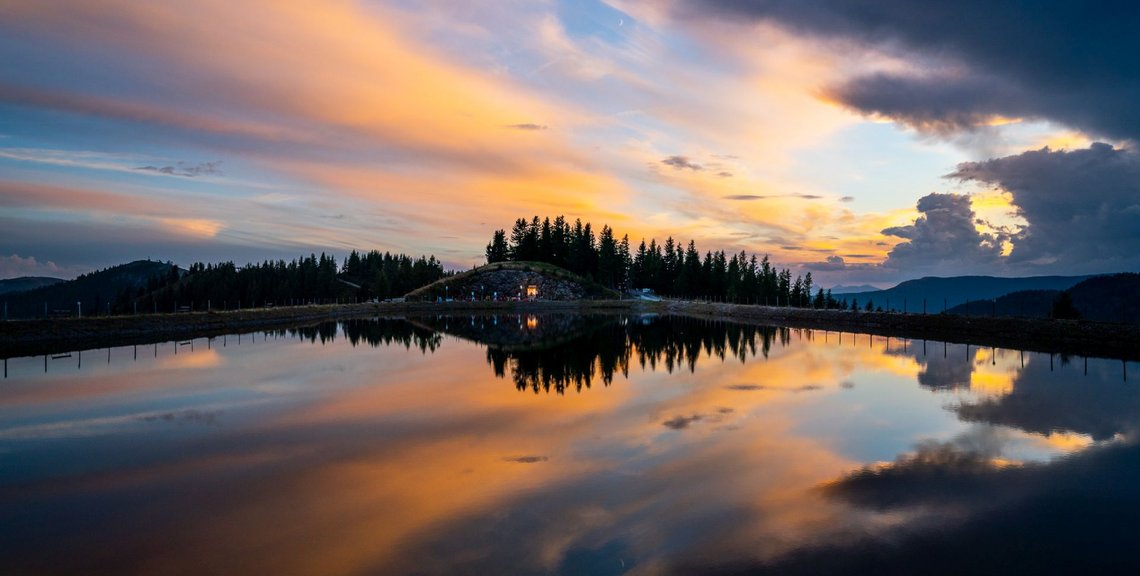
{"type": "Point", "coordinates": [372, 331]}
{"type": "Point", "coordinates": [556, 352]}
{"type": "Point", "coordinates": [611, 342]}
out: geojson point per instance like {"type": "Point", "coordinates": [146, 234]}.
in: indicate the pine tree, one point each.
{"type": "Point", "coordinates": [497, 249]}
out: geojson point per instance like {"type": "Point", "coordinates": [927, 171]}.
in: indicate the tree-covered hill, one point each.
{"type": "Point", "coordinates": [146, 286]}
{"type": "Point", "coordinates": [90, 293]}
{"type": "Point", "coordinates": [669, 268]}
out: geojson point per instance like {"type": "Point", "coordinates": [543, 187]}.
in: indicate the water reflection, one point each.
{"type": "Point", "coordinates": [404, 446]}
{"type": "Point", "coordinates": [558, 352]}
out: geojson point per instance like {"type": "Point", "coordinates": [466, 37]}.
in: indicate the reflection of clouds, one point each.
{"type": "Point", "coordinates": [682, 422]}
{"type": "Point", "coordinates": [949, 367]}
{"type": "Point", "coordinates": [408, 471]}
{"type": "Point", "coordinates": [184, 416]}
{"type": "Point", "coordinates": [969, 514]}
{"type": "Point", "coordinates": [526, 459]}
{"type": "Point", "coordinates": [1047, 398]}
{"type": "Point", "coordinates": [432, 465]}
{"type": "Point", "coordinates": [87, 427]}
{"type": "Point", "coordinates": [950, 371]}
{"type": "Point", "coordinates": [192, 358]}
{"type": "Point", "coordinates": [755, 387]}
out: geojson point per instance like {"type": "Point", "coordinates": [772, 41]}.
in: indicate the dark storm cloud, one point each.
{"type": "Point", "coordinates": [943, 236]}
{"type": "Point", "coordinates": [1070, 62]}
{"type": "Point", "coordinates": [681, 163]}
{"type": "Point", "coordinates": [938, 104]}
{"type": "Point", "coordinates": [1082, 206]}
{"type": "Point", "coordinates": [186, 169]}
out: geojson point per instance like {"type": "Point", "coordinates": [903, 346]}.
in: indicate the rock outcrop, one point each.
{"type": "Point", "coordinates": [511, 281]}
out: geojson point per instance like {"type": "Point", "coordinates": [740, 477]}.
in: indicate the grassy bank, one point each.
{"type": "Point", "coordinates": [32, 337]}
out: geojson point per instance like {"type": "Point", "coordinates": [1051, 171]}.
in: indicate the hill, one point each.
{"type": "Point", "coordinates": [837, 290]}
{"type": "Point", "coordinates": [945, 293]}
{"type": "Point", "coordinates": [1024, 303]}
{"type": "Point", "coordinates": [25, 283]}
{"type": "Point", "coordinates": [508, 280]}
{"type": "Point", "coordinates": [91, 291]}
{"type": "Point", "coordinates": [1114, 298]}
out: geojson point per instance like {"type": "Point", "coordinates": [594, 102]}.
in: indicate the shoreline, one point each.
{"type": "Point", "coordinates": [1082, 338]}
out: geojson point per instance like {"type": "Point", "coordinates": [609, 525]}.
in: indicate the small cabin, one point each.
{"type": "Point", "coordinates": [532, 291]}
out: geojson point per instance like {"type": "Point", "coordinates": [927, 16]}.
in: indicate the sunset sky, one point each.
{"type": "Point", "coordinates": [864, 142]}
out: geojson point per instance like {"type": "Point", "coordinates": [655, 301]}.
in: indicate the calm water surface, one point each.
{"type": "Point", "coordinates": [557, 444]}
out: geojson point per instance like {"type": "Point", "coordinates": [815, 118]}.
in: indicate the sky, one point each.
{"type": "Point", "coordinates": [862, 142]}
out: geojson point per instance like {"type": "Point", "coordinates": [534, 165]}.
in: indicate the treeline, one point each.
{"type": "Point", "coordinates": [311, 279]}
{"type": "Point", "coordinates": [668, 268]}
{"type": "Point", "coordinates": [390, 275]}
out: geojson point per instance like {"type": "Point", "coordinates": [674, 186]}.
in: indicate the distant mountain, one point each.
{"type": "Point", "coordinates": [853, 289]}
{"type": "Point", "coordinates": [93, 290]}
{"type": "Point", "coordinates": [25, 283]}
{"type": "Point", "coordinates": [1114, 298]}
{"type": "Point", "coordinates": [946, 293]}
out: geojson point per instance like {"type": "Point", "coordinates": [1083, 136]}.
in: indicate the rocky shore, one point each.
{"type": "Point", "coordinates": [1096, 339]}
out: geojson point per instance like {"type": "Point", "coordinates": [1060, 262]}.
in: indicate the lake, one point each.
{"type": "Point", "coordinates": [564, 444]}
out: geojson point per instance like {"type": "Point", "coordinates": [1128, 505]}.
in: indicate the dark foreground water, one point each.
{"type": "Point", "coordinates": [566, 445]}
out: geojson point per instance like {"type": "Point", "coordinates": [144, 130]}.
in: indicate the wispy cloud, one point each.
{"type": "Point", "coordinates": [186, 169]}
{"type": "Point", "coordinates": [747, 197]}
{"type": "Point", "coordinates": [681, 163]}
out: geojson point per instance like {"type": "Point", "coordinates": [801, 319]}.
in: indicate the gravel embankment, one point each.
{"type": "Point", "coordinates": [1076, 337]}
{"type": "Point", "coordinates": [32, 337]}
